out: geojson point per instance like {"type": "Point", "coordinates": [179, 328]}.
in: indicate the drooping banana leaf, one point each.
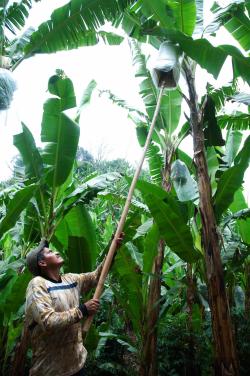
{"type": "Point", "coordinates": [13, 17]}
{"type": "Point", "coordinates": [234, 19]}
{"type": "Point", "coordinates": [151, 242]}
{"type": "Point", "coordinates": [32, 159]}
{"type": "Point", "coordinates": [212, 132]}
{"type": "Point", "coordinates": [77, 24]}
{"type": "Point", "coordinates": [155, 162]}
{"type": "Point", "coordinates": [240, 121]}
{"type": "Point", "coordinates": [13, 294]}
{"type": "Point", "coordinates": [222, 94]}
{"type": "Point", "coordinates": [213, 166]}
{"type": "Point", "coordinates": [31, 228]}
{"type": "Point", "coordinates": [232, 146]}
{"type": "Point", "coordinates": [88, 190]}
{"type": "Point", "coordinates": [170, 220]}
{"type": "Point", "coordinates": [129, 293]}
{"type": "Point", "coordinates": [15, 206]}
{"type": "Point", "coordinates": [231, 180]}
{"type": "Point", "coordinates": [80, 241]}
{"type": "Point", "coordinates": [86, 97]}
{"type": "Point", "coordinates": [239, 203]}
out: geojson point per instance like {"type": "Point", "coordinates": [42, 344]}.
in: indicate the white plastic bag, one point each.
{"type": "Point", "coordinates": [7, 88]}
{"type": "Point", "coordinates": [166, 70]}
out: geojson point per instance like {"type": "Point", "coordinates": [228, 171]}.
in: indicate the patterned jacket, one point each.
{"type": "Point", "coordinates": [53, 318]}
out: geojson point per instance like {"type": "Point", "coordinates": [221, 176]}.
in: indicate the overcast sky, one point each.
{"type": "Point", "coordinates": [105, 128]}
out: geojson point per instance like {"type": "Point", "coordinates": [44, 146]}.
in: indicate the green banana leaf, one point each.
{"type": "Point", "coordinates": [155, 162]}
{"type": "Point", "coordinates": [244, 154]}
{"type": "Point", "coordinates": [222, 14]}
{"type": "Point", "coordinates": [32, 159]}
{"type": "Point", "coordinates": [181, 14]}
{"type": "Point", "coordinates": [232, 146]}
{"type": "Point", "coordinates": [86, 192]}
{"type": "Point", "coordinates": [31, 224]}
{"type": "Point", "coordinates": [231, 180]}
{"type": "Point", "coordinates": [86, 97]}
{"type": "Point", "coordinates": [60, 133]}
{"type": "Point", "coordinates": [151, 242]}
{"type": "Point", "coordinates": [239, 121]}
{"type": "Point", "coordinates": [184, 13]}
{"type": "Point", "coordinates": [247, 2]}
{"type": "Point", "coordinates": [222, 94]}
{"type": "Point", "coordinates": [77, 24]}
{"type": "Point", "coordinates": [212, 132]}
{"type": "Point", "coordinates": [168, 216]}
{"type": "Point", "coordinates": [239, 27]}
{"type": "Point", "coordinates": [239, 203]}
{"type": "Point", "coordinates": [79, 257]}
{"type": "Point", "coordinates": [235, 20]}
{"type": "Point", "coordinates": [80, 240]}
{"type": "Point", "coordinates": [15, 206]}
{"type": "Point", "coordinates": [129, 292]}
{"type": "Point", "coordinates": [200, 50]}
{"type": "Point", "coordinates": [213, 166]}
{"type": "Point", "coordinates": [13, 294]}
{"type": "Point", "coordinates": [16, 14]}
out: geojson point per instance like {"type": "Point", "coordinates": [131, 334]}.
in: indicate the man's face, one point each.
{"type": "Point", "coordinates": [50, 259]}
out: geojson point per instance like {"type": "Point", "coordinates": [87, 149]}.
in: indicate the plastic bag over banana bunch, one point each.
{"type": "Point", "coordinates": [185, 186]}
{"type": "Point", "coordinates": [7, 88]}
{"type": "Point", "coordinates": [167, 66]}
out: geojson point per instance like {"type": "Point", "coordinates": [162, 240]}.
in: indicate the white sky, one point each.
{"type": "Point", "coordinates": [105, 128]}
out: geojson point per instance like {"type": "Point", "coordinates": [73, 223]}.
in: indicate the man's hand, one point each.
{"type": "Point", "coordinates": [119, 240]}
{"type": "Point", "coordinates": [92, 306]}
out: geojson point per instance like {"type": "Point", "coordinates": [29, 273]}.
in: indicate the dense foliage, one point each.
{"type": "Point", "coordinates": [158, 302]}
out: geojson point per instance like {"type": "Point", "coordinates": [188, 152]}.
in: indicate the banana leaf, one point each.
{"type": "Point", "coordinates": [171, 222]}
{"type": "Point", "coordinates": [15, 207]}
{"type": "Point", "coordinates": [59, 132]}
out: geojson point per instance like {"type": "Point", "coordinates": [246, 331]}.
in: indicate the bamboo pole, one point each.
{"type": "Point", "coordinates": [121, 223]}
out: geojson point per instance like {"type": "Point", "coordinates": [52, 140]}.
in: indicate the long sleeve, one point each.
{"type": "Point", "coordinates": [44, 314]}
{"type": "Point", "coordinates": [89, 280]}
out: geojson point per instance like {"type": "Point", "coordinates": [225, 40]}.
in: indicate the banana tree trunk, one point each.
{"type": "Point", "coordinates": [192, 368]}
{"type": "Point", "coordinates": [247, 291]}
{"type": "Point", "coordinates": [149, 366]}
{"type": "Point", "coordinates": [226, 363]}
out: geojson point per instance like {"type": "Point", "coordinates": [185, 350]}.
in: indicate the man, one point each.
{"type": "Point", "coordinates": [54, 313]}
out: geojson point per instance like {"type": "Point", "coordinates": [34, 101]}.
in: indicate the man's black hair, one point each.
{"type": "Point", "coordinates": [40, 255]}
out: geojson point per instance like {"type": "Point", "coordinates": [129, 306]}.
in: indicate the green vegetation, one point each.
{"type": "Point", "coordinates": [177, 299]}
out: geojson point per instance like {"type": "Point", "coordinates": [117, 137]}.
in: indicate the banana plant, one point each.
{"type": "Point", "coordinates": [162, 152]}
{"type": "Point", "coordinates": [159, 28]}
{"type": "Point", "coordinates": [71, 26]}
{"type": "Point", "coordinates": [46, 202]}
